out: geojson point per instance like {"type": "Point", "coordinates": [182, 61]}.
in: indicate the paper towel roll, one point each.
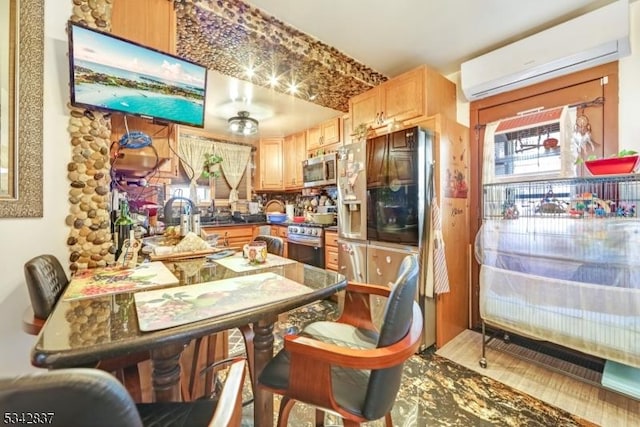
{"type": "Point", "coordinates": [289, 212]}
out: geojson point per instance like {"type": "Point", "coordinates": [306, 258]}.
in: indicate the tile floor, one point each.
{"type": "Point", "coordinates": [438, 392]}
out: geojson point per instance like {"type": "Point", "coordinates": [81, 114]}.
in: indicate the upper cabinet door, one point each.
{"type": "Point", "coordinates": [294, 152]}
{"type": "Point", "coordinates": [300, 143]}
{"type": "Point", "coordinates": [402, 98]}
{"type": "Point", "coordinates": [314, 137]}
{"type": "Point", "coordinates": [365, 108]}
{"type": "Point", "coordinates": [331, 131]}
{"type": "Point", "coordinates": [271, 174]}
{"type": "Point", "coordinates": [148, 22]}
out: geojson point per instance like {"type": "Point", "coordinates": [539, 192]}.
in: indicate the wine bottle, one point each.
{"type": "Point", "coordinates": [123, 226]}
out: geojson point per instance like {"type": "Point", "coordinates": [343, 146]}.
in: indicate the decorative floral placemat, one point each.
{"type": "Point", "coordinates": [239, 264]}
{"type": "Point", "coordinates": [165, 308]}
{"type": "Point", "coordinates": [115, 280]}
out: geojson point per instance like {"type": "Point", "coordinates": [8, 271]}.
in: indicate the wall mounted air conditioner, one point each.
{"type": "Point", "coordinates": [591, 39]}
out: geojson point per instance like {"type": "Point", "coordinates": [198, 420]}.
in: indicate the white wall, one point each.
{"type": "Point", "coordinates": [629, 107]}
{"type": "Point", "coordinates": [22, 239]}
{"type": "Point", "coordinates": [629, 89]}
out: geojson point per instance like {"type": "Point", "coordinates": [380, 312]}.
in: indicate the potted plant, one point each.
{"type": "Point", "coordinates": [360, 132]}
{"type": "Point", "coordinates": [211, 168]}
{"type": "Point", "coordinates": [625, 161]}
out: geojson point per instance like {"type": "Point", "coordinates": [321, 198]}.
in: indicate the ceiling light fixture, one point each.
{"type": "Point", "coordinates": [242, 124]}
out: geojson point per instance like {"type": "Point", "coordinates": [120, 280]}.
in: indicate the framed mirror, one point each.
{"type": "Point", "coordinates": [21, 89]}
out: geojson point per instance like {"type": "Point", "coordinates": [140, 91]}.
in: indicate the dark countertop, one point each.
{"type": "Point", "coordinates": [282, 224]}
{"type": "Point", "coordinates": [232, 224]}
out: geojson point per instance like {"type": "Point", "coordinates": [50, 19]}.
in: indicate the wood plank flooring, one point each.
{"type": "Point", "coordinates": [600, 406]}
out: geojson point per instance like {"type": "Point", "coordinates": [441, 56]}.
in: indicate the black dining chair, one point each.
{"type": "Point", "coordinates": [275, 244]}
{"type": "Point", "coordinates": [347, 366]}
{"type": "Point", "coordinates": [46, 282]}
{"type": "Point", "coordinates": [82, 397]}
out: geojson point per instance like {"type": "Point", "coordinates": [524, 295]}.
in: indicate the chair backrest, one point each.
{"type": "Point", "coordinates": [275, 245]}
{"type": "Point", "coordinates": [384, 383]}
{"type": "Point", "coordinates": [46, 280]}
{"type": "Point", "coordinates": [73, 397]}
{"type": "Point", "coordinates": [229, 409]}
{"type": "Point", "coordinates": [80, 397]}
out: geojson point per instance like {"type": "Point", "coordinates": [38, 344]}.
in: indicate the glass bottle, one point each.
{"type": "Point", "coordinates": [123, 226]}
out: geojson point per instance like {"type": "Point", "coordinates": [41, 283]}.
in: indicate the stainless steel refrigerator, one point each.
{"type": "Point", "coordinates": [384, 196]}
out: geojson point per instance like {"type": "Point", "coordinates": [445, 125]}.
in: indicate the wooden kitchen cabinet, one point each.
{"type": "Point", "coordinates": [451, 147]}
{"type": "Point", "coordinates": [141, 20]}
{"type": "Point", "coordinates": [235, 236]}
{"type": "Point", "coordinates": [295, 152]}
{"type": "Point", "coordinates": [365, 108]}
{"type": "Point", "coordinates": [271, 170]}
{"type": "Point", "coordinates": [418, 93]}
{"type": "Point", "coordinates": [331, 250]}
{"type": "Point", "coordinates": [325, 133]}
{"type": "Point", "coordinates": [163, 140]}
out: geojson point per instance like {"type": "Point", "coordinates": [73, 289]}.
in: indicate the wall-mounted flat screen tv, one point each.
{"type": "Point", "coordinates": [112, 74]}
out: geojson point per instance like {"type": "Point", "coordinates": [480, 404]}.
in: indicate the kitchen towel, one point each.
{"type": "Point", "coordinates": [441, 276]}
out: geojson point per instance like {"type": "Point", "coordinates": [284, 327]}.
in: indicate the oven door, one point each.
{"type": "Point", "coordinates": [306, 253]}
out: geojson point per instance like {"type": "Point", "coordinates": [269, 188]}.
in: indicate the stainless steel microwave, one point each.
{"type": "Point", "coordinates": [320, 171]}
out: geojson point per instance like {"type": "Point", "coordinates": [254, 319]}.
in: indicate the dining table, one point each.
{"type": "Point", "coordinates": [82, 332]}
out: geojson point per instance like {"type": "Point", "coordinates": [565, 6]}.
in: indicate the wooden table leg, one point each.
{"type": "Point", "coordinates": [263, 353]}
{"type": "Point", "coordinates": [166, 373]}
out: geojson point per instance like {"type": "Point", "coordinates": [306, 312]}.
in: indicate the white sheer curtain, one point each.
{"type": "Point", "coordinates": [234, 163]}
{"type": "Point", "coordinates": [489, 153]}
{"type": "Point", "coordinates": [192, 154]}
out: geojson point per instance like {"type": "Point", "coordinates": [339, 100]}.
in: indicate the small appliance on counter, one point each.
{"type": "Point", "coordinates": [175, 208]}
{"type": "Point", "coordinates": [249, 217]}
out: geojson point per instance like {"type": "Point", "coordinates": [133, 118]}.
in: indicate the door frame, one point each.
{"type": "Point", "coordinates": [607, 74]}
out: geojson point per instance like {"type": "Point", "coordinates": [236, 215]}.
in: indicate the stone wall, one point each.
{"type": "Point", "coordinates": [90, 242]}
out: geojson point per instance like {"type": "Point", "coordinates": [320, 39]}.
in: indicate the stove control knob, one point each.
{"type": "Point", "coordinates": [293, 229]}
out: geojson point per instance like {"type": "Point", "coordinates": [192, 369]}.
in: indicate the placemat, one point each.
{"type": "Point", "coordinates": [165, 308]}
{"type": "Point", "coordinates": [239, 264]}
{"type": "Point", "coordinates": [114, 280]}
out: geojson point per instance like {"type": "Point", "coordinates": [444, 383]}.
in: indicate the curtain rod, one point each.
{"type": "Point", "coordinates": [581, 105]}
{"type": "Point", "coordinates": [186, 135]}
{"type": "Point", "coordinates": [596, 102]}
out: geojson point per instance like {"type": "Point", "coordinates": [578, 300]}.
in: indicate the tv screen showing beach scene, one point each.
{"type": "Point", "coordinates": [109, 73]}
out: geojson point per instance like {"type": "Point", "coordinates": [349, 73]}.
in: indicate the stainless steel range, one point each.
{"type": "Point", "coordinates": [306, 244]}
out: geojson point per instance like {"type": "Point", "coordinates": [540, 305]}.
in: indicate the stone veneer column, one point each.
{"type": "Point", "coordinates": [90, 241]}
